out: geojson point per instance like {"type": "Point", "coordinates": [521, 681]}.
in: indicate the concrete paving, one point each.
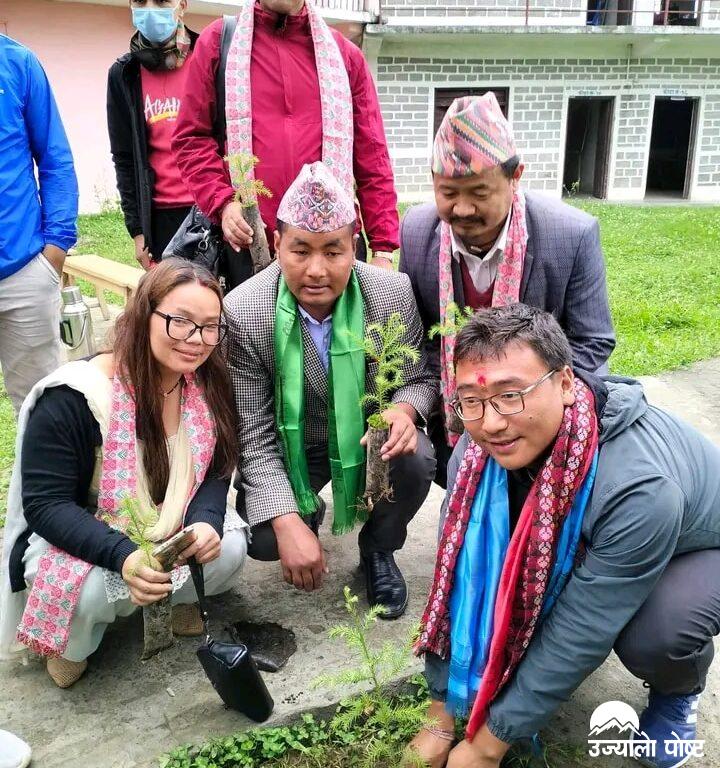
{"type": "Point", "coordinates": [125, 712]}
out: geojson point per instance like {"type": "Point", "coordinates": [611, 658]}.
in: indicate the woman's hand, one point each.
{"type": "Point", "coordinates": [146, 585]}
{"type": "Point", "coordinates": [206, 546]}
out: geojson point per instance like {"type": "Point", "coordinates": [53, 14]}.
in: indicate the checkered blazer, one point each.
{"type": "Point", "coordinates": [564, 273]}
{"type": "Point", "coordinates": [250, 310]}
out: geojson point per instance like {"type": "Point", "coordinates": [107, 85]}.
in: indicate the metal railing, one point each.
{"type": "Point", "coordinates": [672, 12]}
{"type": "Point", "coordinates": [371, 7]}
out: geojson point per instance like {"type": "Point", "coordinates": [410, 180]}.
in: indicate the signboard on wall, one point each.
{"type": "Point", "coordinates": [588, 92]}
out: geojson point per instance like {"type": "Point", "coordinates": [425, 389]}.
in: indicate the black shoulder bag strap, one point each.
{"type": "Point", "coordinates": [198, 239]}
{"type": "Point", "coordinates": [196, 571]}
{"type": "Point", "coordinates": [228, 32]}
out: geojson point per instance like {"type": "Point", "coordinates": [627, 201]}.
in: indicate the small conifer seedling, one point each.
{"type": "Point", "coordinates": [455, 319]}
{"type": "Point", "coordinates": [157, 617]}
{"type": "Point", "coordinates": [385, 345]}
{"type": "Point", "coordinates": [382, 720]}
{"type": "Point", "coordinates": [247, 191]}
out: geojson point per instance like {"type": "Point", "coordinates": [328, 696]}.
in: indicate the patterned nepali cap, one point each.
{"type": "Point", "coordinates": [473, 136]}
{"type": "Point", "coordinates": [316, 202]}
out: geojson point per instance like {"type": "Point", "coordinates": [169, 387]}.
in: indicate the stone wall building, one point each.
{"type": "Point", "coordinates": [623, 107]}
{"type": "Point", "coordinates": [617, 99]}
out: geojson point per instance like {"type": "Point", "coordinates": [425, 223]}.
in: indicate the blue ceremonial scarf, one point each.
{"type": "Point", "coordinates": [477, 576]}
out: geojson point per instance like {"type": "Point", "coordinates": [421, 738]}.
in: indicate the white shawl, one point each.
{"type": "Point", "coordinates": [89, 380]}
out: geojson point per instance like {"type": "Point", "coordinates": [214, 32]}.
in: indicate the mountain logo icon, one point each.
{"type": "Point", "coordinates": [618, 717]}
{"type": "Point", "coordinates": [624, 729]}
{"type": "Point", "coordinates": [615, 729]}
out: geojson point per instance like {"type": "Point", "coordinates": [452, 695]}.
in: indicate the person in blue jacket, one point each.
{"type": "Point", "coordinates": [38, 219]}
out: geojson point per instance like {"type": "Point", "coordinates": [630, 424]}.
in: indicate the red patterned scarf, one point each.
{"type": "Point", "coordinates": [336, 104]}
{"type": "Point", "coordinates": [530, 556]}
{"type": "Point", "coordinates": [506, 291]}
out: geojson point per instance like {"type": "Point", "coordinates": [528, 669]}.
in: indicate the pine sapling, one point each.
{"type": "Point", "coordinates": [247, 191]}
{"type": "Point", "coordinates": [383, 343]}
{"type": "Point", "coordinates": [455, 320]}
{"type": "Point", "coordinates": [385, 721]}
{"type": "Point", "coordinates": [157, 617]}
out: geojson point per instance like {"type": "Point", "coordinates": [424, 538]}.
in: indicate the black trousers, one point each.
{"type": "Point", "coordinates": [386, 529]}
{"type": "Point", "coordinates": [237, 267]}
{"type": "Point", "coordinates": [669, 642]}
{"type": "Point", "coordinates": [443, 452]}
{"type": "Point", "coordinates": [165, 223]}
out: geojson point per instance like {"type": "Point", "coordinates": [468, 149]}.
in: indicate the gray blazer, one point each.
{"type": "Point", "coordinates": [250, 310]}
{"type": "Point", "coordinates": [564, 274]}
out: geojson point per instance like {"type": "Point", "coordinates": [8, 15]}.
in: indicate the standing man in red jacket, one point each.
{"type": "Point", "coordinates": [296, 92]}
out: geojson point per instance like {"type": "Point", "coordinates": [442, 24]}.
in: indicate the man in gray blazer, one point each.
{"type": "Point", "coordinates": [298, 371]}
{"type": "Point", "coordinates": [500, 245]}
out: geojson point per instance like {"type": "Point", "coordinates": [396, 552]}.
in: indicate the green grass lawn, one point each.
{"type": "Point", "coordinates": [663, 267]}
{"type": "Point", "coordinates": [105, 234]}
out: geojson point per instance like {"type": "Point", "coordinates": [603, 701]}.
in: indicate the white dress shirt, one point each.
{"type": "Point", "coordinates": [482, 269]}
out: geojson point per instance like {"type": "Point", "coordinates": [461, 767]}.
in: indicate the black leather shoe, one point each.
{"type": "Point", "coordinates": [385, 584]}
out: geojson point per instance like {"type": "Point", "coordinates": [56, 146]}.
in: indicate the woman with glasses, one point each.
{"type": "Point", "coordinates": [149, 424]}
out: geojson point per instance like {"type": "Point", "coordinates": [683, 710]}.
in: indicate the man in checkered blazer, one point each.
{"type": "Point", "coordinates": [316, 262]}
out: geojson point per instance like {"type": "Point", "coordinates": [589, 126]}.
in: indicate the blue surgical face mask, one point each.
{"type": "Point", "coordinates": [156, 25]}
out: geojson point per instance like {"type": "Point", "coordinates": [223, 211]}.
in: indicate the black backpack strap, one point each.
{"type": "Point", "coordinates": [228, 32]}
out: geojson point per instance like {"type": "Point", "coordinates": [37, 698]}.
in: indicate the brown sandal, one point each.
{"type": "Point", "coordinates": [65, 673]}
{"type": "Point", "coordinates": [186, 620]}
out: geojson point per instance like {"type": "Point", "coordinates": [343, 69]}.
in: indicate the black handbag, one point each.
{"type": "Point", "coordinates": [197, 238]}
{"type": "Point", "coordinates": [229, 666]}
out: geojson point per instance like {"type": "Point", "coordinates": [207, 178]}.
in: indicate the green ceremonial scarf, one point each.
{"type": "Point", "coordinates": [346, 418]}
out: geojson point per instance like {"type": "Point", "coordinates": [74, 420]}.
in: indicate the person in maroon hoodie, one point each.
{"type": "Point", "coordinates": [296, 92]}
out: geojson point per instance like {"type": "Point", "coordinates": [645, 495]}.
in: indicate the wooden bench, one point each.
{"type": "Point", "coordinates": [104, 274]}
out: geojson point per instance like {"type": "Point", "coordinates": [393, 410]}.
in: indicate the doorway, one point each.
{"type": "Point", "coordinates": [671, 146]}
{"type": "Point", "coordinates": [587, 146]}
{"type": "Point", "coordinates": [444, 97]}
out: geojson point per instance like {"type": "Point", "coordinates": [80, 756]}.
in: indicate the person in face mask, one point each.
{"type": "Point", "coordinates": [145, 87]}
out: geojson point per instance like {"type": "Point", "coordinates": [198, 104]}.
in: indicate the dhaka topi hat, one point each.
{"type": "Point", "coordinates": [316, 201]}
{"type": "Point", "coordinates": [473, 136]}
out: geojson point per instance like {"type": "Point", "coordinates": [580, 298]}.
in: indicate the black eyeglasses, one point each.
{"type": "Point", "coordinates": [181, 329]}
{"type": "Point", "coordinates": [506, 403]}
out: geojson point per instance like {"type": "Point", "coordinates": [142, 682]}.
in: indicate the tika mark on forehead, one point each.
{"type": "Point", "coordinates": [480, 377]}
